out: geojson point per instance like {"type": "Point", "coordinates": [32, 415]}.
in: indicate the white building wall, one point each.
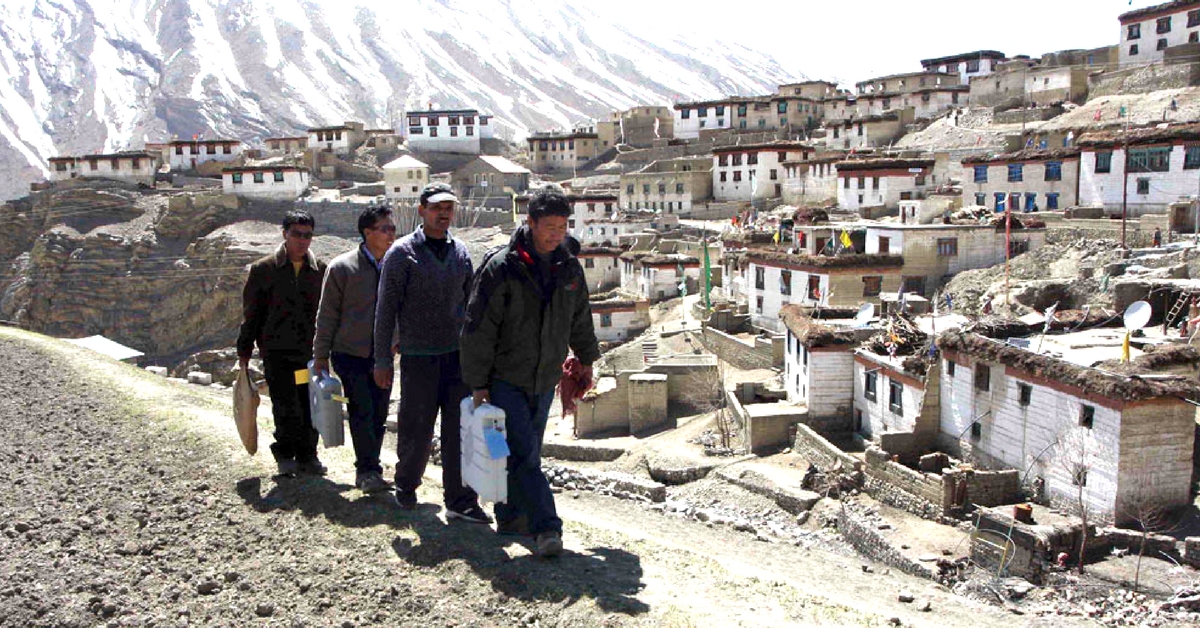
{"type": "Point", "coordinates": [773, 298]}
{"type": "Point", "coordinates": [662, 282]}
{"type": "Point", "coordinates": [405, 184]}
{"type": "Point", "coordinates": [986, 67]}
{"type": "Point", "coordinates": [184, 158]}
{"type": "Point", "coordinates": [451, 138]}
{"type": "Point", "coordinates": [886, 193]}
{"type": "Point", "coordinates": [762, 180]}
{"type": "Point", "coordinates": [601, 231]}
{"type": "Point", "coordinates": [601, 271]}
{"type": "Point", "coordinates": [124, 170]}
{"type": "Point", "coordinates": [1147, 43]}
{"type": "Point", "coordinates": [812, 184]}
{"type": "Point", "coordinates": [820, 380]}
{"type": "Point", "coordinates": [690, 127]}
{"type": "Point", "coordinates": [624, 325]}
{"type": "Point", "coordinates": [1106, 189]}
{"type": "Point", "coordinates": [1023, 437]}
{"type": "Point", "coordinates": [294, 184]}
{"type": "Point", "coordinates": [877, 415]}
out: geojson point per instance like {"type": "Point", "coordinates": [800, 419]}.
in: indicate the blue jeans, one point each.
{"type": "Point", "coordinates": [525, 425]}
{"type": "Point", "coordinates": [368, 409]}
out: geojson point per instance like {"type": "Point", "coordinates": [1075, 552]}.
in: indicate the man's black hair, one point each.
{"type": "Point", "coordinates": [549, 200]}
{"type": "Point", "coordinates": [370, 216]}
{"type": "Point", "coordinates": [297, 217]}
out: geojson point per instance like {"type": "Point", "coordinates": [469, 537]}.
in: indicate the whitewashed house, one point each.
{"type": "Point", "coordinates": [188, 155]}
{"type": "Point", "coordinates": [607, 231]}
{"type": "Point", "coordinates": [1148, 33]}
{"type": "Point", "coordinates": [777, 279]}
{"type": "Point", "coordinates": [655, 276]}
{"type": "Point", "coordinates": [588, 209]}
{"type": "Point", "coordinates": [1065, 426]}
{"type": "Point", "coordinates": [339, 140]}
{"type": "Point", "coordinates": [131, 167]}
{"type": "Point", "coordinates": [809, 182]}
{"type": "Point", "coordinates": [275, 183]}
{"type": "Point", "coordinates": [753, 172]}
{"type": "Point", "coordinates": [1023, 181]}
{"type": "Point", "coordinates": [818, 368]}
{"type": "Point", "coordinates": [448, 130]}
{"type": "Point", "coordinates": [967, 65]}
{"type": "Point", "coordinates": [618, 320]}
{"type": "Point", "coordinates": [601, 267]}
{"type": "Point", "coordinates": [887, 398]}
{"type": "Point", "coordinates": [404, 178]}
{"type": "Point", "coordinates": [286, 145]}
{"type": "Point", "coordinates": [880, 184]}
{"type": "Point", "coordinates": [1163, 168]}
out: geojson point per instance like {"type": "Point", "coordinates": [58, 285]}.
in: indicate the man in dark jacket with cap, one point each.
{"type": "Point", "coordinates": [529, 305]}
{"type": "Point", "coordinates": [279, 304]}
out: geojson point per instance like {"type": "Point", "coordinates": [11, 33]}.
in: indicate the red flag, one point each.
{"type": "Point", "coordinates": [1096, 117]}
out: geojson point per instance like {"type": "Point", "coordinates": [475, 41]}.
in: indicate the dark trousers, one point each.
{"type": "Point", "coordinates": [368, 409]}
{"type": "Point", "coordinates": [295, 438]}
{"type": "Point", "coordinates": [429, 383]}
{"type": "Point", "coordinates": [529, 494]}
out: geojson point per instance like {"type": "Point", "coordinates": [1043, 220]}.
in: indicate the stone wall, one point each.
{"type": "Point", "coordinates": [740, 419]}
{"type": "Point", "coordinates": [817, 450]}
{"type": "Point", "coordinates": [990, 488]}
{"type": "Point", "coordinates": [647, 402]}
{"type": "Point", "coordinates": [896, 485]}
{"type": "Point", "coordinates": [1144, 79]}
{"type": "Point", "coordinates": [738, 352]}
{"type": "Point", "coordinates": [862, 534]}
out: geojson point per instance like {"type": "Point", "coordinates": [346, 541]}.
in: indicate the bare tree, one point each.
{"type": "Point", "coordinates": [705, 394]}
{"type": "Point", "coordinates": [1076, 453]}
{"type": "Point", "coordinates": [1145, 508]}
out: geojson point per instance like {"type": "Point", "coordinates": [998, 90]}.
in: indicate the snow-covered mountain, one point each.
{"type": "Point", "coordinates": [96, 75]}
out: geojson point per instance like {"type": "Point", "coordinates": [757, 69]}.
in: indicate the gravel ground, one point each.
{"type": "Point", "coordinates": [124, 502]}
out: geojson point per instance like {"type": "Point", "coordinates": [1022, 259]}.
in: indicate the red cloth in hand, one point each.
{"type": "Point", "coordinates": [576, 380]}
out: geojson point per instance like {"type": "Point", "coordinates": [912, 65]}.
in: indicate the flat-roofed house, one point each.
{"type": "Point", "coordinates": [280, 183]}
{"type": "Point", "coordinates": [187, 155]}
{"type": "Point", "coordinates": [404, 178]}
{"type": "Point", "coordinates": [131, 167]}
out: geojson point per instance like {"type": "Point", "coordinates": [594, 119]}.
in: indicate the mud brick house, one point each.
{"type": "Point", "coordinates": [601, 267]}
{"type": "Point", "coordinates": [785, 110]}
{"type": "Point", "coordinates": [639, 127]}
{"type": "Point", "coordinates": [490, 176]}
{"type": "Point", "coordinates": [863, 131]}
{"type": "Point", "coordinates": [1027, 82]}
{"type": "Point", "coordinates": [668, 185]}
{"type": "Point", "coordinates": [619, 319]}
{"type": "Point", "coordinates": [1162, 166]}
{"type": "Point", "coordinates": [608, 231]}
{"type": "Point", "coordinates": [811, 181]}
{"type": "Point", "coordinates": [188, 155]}
{"type": "Point", "coordinates": [404, 178]}
{"type": "Point", "coordinates": [1122, 435]}
{"type": "Point", "coordinates": [892, 401]}
{"type": "Point", "coordinates": [131, 167]}
{"type": "Point", "coordinates": [279, 183]}
{"type": "Point", "coordinates": [448, 130]}
{"type": "Point", "coordinates": [907, 83]}
{"type": "Point", "coordinates": [339, 140]}
{"type": "Point", "coordinates": [777, 279]}
{"type": "Point", "coordinates": [754, 172]}
{"type": "Point", "coordinates": [286, 145]}
{"type": "Point", "coordinates": [563, 151]}
{"type": "Point", "coordinates": [879, 184]}
{"type": "Point", "coordinates": [967, 65]}
{"type": "Point", "coordinates": [1026, 180]}
{"type": "Point", "coordinates": [1147, 34]}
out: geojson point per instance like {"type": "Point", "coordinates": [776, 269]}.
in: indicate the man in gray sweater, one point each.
{"type": "Point", "coordinates": [345, 328]}
{"type": "Point", "coordinates": [423, 290]}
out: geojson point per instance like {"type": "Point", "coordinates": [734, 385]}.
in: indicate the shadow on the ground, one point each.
{"type": "Point", "coordinates": [610, 576]}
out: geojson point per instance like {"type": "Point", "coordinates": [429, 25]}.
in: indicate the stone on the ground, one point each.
{"type": "Point", "coordinates": [264, 609]}
{"type": "Point", "coordinates": [160, 371]}
{"type": "Point", "coordinates": [924, 606]}
{"type": "Point", "coordinates": [906, 597]}
{"type": "Point", "coordinates": [200, 379]}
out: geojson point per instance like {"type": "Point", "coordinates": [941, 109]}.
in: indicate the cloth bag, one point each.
{"type": "Point", "coordinates": [245, 411]}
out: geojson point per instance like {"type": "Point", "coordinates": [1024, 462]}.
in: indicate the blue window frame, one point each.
{"type": "Point", "coordinates": [1052, 200]}
{"type": "Point", "coordinates": [1054, 171]}
{"type": "Point", "coordinates": [1104, 161]}
{"type": "Point", "coordinates": [1016, 172]}
{"type": "Point", "coordinates": [1030, 201]}
{"type": "Point", "coordinates": [981, 174]}
{"type": "Point", "coordinates": [1001, 197]}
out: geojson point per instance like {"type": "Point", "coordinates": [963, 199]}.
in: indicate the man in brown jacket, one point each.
{"type": "Point", "coordinates": [279, 306]}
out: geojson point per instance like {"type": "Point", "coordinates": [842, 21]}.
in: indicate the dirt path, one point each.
{"type": "Point", "coordinates": [124, 501]}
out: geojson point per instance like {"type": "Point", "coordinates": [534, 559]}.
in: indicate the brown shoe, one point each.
{"type": "Point", "coordinates": [549, 544]}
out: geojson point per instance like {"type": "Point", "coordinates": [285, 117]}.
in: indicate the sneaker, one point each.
{"type": "Point", "coordinates": [371, 482]}
{"type": "Point", "coordinates": [311, 466]}
{"type": "Point", "coordinates": [406, 500]}
{"type": "Point", "coordinates": [287, 467]}
{"type": "Point", "coordinates": [513, 527]}
{"type": "Point", "coordinates": [549, 544]}
{"type": "Point", "coordinates": [470, 514]}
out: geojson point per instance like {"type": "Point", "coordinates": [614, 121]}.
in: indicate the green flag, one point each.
{"type": "Point", "coordinates": [707, 277]}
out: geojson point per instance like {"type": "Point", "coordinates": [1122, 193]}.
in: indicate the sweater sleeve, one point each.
{"type": "Point", "coordinates": [485, 314]}
{"type": "Point", "coordinates": [254, 301]}
{"type": "Point", "coordinates": [393, 278]}
{"type": "Point", "coordinates": [329, 312]}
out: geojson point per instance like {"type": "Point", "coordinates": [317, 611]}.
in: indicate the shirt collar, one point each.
{"type": "Point", "coordinates": [367, 252]}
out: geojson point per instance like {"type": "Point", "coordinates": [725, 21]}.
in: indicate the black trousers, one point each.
{"type": "Point", "coordinates": [428, 384]}
{"type": "Point", "coordinates": [295, 437]}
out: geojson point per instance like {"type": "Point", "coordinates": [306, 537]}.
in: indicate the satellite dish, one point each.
{"type": "Point", "coordinates": [864, 315]}
{"type": "Point", "coordinates": [1137, 315]}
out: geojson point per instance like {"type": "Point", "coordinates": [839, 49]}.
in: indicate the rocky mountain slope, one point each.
{"type": "Point", "coordinates": [111, 74]}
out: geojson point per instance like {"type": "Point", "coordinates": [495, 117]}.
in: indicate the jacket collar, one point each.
{"type": "Point", "coordinates": [522, 247]}
{"type": "Point", "coordinates": [419, 236]}
{"type": "Point", "coordinates": [281, 257]}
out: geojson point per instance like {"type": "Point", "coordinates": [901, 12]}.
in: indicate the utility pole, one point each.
{"type": "Point", "coordinates": [1124, 185]}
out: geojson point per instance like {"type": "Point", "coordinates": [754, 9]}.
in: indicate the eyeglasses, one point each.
{"type": "Point", "coordinates": [300, 235]}
{"type": "Point", "coordinates": [385, 228]}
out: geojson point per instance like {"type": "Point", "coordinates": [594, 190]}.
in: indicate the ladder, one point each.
{"type": "Point", "coordinates": [1177, 308]}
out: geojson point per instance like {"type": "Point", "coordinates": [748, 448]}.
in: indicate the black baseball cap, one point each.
{"type": "Point", "coordinates": [437, 192]}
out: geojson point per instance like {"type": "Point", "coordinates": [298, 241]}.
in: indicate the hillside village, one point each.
{"type": "Point", "coordinates": [908, 296]}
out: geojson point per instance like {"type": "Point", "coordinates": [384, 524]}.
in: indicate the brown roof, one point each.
{"type": "Point", "coordinates": [600, 251]}
{"type": "Point", "coordinates": [823, 261]}
{"type": "Point", "coordinates": [300, 138]}
{"type": "Point", "coordinates": [613, 304]}
{"type": "Point", "coordinates": [882, 164]}
{"type": "Point", "coordinates": [906, 75]}
{"type": "Point", "coordinates": [1112, 137]}
{"type": "Point", "coordinates": [1107, 385]}
{"type": "Point", "coordinates": [664, 260]}
{"type": "Point", "coordinates": [141, 154]}
{"type": "Point", "coordinates": [966, 56]}
{"type": "Point", "coordinates": [1156, 10]}
{"type": "Point", "coordinates": [181, 142]}
{"type": "Point", "coordinates": [768, 146]}
{"type": "Point", "coordinates": [887, 116]}
{"type": "Point", "coordinates": [262, 169]}
{"type": "Point", "coordinates": [813, 334]}
{"type": "Point", "coordinates": [1024, 155]}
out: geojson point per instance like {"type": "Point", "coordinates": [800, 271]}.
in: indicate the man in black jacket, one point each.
{"type": "Point", "coordinates": [279, 304]}
{"type": "Point", "coordinates": [528, 305]}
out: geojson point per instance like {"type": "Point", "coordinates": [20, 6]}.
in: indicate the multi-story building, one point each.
{"type": "Point", "coordinates": [668, 185]}
{"type": "Point", "coordinates": [777, 279]}
{"type": "Point", "coordinates": [908, 83]}
{"type": "Point", "coordinates": [339, 140]}
{"type": "Point", "coordinates": [489, 176]}
{"type": "Point", "coordinates": [563, 151]}
{"type": "Point", "coordinates": [1027, 180]}
{"type": "Point", "coordinates": [655, 276]}
{"type": "Point", "coordinates": [881, 183]}
{"type": "Point", "coordinates": [925, 103]}
{"type": "Point", "coordinates": [638, 127]}
{"type": "Point", "coordinates": [784, 111]}
{"type": "Point", "coordinates": [812, 181]}
{"type": "Point", "coordinates": [275, 183]}
{"type": "Point", "coordinates": [967, 65]}
{"type": "Point", "coordinates": [131, 167]}
{"type": "Point", "coordinates": [404, 178]}
{"type": "Point", "coordinates": [877, 131]}
{"type": "Point", "coordinates": [188, 155]}
{"type": "Point", "coordinates": [1025, 82]}
{"type": "Point", "coordinates": [1162, 167]}
{"type": "Point", "coordinates": [601, 267]}
{"type": "Point", "coordinates": [818, 367]}
{"type": "Point", "coordinates": [607, 230]}
{"type": "Point", "coordinates": [448, 130]}
{"type": "Point", "coordinates": [286, 145]}
{"type": "Point", "coordinates": [753, 172]}
{"type": "Point", "coordinates": [1147, 34]}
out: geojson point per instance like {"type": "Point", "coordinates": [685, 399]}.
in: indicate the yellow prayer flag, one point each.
{"type": "Point", "coordinates": [776, 237]}
{"type": "Point", "coordinates": [1125, 348]}
{"type": "Point", "coordinates": [845, 239]}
